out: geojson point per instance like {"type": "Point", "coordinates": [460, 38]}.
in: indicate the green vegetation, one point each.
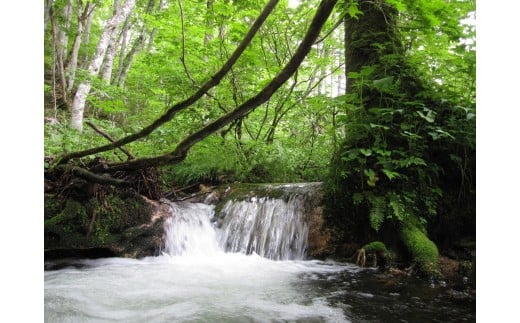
{"type": "Point", "coordinates": [423, 251]}
{"type": "Point", "coordinates": [375, 246]}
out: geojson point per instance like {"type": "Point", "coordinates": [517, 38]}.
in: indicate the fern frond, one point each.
{"type": "Point", "coordinates": [397, 206]}
{"type": "Point", "coordinates": [377, 211]}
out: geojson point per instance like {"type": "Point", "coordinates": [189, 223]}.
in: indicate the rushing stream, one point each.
{"type": "Point", "coordinates": [245, 265]}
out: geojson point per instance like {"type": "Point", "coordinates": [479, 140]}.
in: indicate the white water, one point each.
{"type": "Point", "coordinates": [271, 228]}
{"type": "Point", "coordinates": [195, 280]}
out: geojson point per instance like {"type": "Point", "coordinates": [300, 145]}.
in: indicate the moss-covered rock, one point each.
{"type": "Point", "coordinates": [375, 246]}
{"type": "Point", "coordinates": [121, 222]}
{"type": "Point", "coordinates": [424, 253]}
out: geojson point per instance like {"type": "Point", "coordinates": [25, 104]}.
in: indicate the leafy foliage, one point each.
{"type": "Point", "coordinates": [402, 120]}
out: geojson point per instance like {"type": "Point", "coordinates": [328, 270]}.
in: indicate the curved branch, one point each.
{"type": "Point", "coordinates": [168, 115]}
{"type": "Point", "coordinates": [324, 10]}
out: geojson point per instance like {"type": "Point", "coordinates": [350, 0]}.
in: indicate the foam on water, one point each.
{"type": "Point", "coordinates": [229, 287]}
{"type": "Point", "coordinates": [195, 280]}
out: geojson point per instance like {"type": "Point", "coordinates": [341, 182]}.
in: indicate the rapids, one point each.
{"type": "Point", "coordinates": [245, 264]}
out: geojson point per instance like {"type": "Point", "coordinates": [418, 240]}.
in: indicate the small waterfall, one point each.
{"type": "Point", "coordinates": [188, 231]}
{"type": "Point", "coordinates": [271, 222]}
{"type": "Point", "coordinates": [269, 227]}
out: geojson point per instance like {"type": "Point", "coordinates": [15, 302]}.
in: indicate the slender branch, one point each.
{"type": "Point", "coordinates": [107, 136]}
{"type": "Point", "coordinates": [172, 111]}
{"type": "Point", "coordinates": [324, 10]}
{"type": "Point", "coordinates": [336, 25]}
{"type": "Point", "coordinates": [183, 57]}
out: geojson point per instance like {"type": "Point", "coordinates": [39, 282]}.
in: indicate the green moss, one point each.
{"type": "Point", "coordinates": [423, 251]}
{"type": "Point", "coordinates": [114, 214]}
{"type": "Point", "coordinates": [72, 216]}
{"type": "Point", "coordinates": [375, 246]}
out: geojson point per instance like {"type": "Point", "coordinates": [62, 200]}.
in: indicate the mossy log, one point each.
{"type": "Point", "coordinates": [423, 251]}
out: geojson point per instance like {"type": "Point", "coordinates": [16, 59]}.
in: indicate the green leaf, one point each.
{"type": "Point", "coordinates": [357, 198]}
{"type": "Point", "coordinates": [373, 125]}
{"type": "Point", "coordinates": [390, 174]}
{"type": "Point", "coordinates": [384, 83]}
{"type": "Point", "coordinates": [430, 116]}
{"type": "Point", "coordinates": [366, 152]}
{"type": "Point", "coordinates": [353, 10]}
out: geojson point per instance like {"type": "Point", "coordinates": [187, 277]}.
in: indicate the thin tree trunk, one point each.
{"type": "Point", "coordinates": [127, 62]}
{"type": "Point", "coordinates": [59, 58]}
{"type": "Point", "coordinates": [72, 64]}
{"type": "Point", "coordinates": [78, 105]}
{"type": "Point", "coordinates": [47, 15]}
{"type": "Point", "coordinates": [63, 38]}
{"type": "Point", "coordinates": [110, 55]}
{"type": "Point", "coordinates": [137, 46]}
{"type": "Point", "coordinates": [86, 40]}
{"type": "Point", "coordinates": [108, 65]}
{"type": "Point", "coordinates": [122, 50]}
{"type": "Point", "coordinates": [162, 6]}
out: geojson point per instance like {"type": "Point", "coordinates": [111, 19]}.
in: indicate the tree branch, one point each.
{"type": "Point", "coordinates": [107, 136]}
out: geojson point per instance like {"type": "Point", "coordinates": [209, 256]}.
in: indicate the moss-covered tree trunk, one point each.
{"type": "Point", "coordinates": [375, 55]}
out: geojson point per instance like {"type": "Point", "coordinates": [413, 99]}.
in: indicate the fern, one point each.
{"type": "Point", "coordinates": [377, 211]}
{"type": "Point", "coordinates": [397, 206]}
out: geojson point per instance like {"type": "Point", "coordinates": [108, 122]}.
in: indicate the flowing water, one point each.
{"type": "Point", "coordinates": [246, 264]}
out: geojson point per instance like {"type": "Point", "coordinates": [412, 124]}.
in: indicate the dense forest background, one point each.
{"type": "Point", "coordinates": [171, 50]}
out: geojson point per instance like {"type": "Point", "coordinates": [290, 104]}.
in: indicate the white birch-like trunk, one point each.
{"type": "Point", "coordinates": [78, 104]}
{"type": "Point", "coordinates": [72, 65]}
{"type": "Point", "coordinates": [108, 65]}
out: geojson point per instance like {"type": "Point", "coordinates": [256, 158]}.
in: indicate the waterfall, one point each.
{"type": "Point", "coordinates": [188, 231]}
{"type": "Point", "coordinates": [272, 227]}
{"type": "Point", "coordinates": [269, 227]}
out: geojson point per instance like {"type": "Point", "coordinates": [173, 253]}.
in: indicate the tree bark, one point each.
{"type": "Point", "coordinates": [72, 64]}
{"type": "Point", "coordinates": [375, 26]}
{"type": "Point", "coordinates": [59, 58]}
{"type": "Point", "coordinates": [78, 105]}
{"type": "Point", "coordinates": [172, 111]}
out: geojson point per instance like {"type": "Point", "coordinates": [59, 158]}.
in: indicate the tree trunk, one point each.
{"type": "Point", "coordinates": [47, 14]}
{"type": "Point", "coordinates": [59, 59]}
{"type": "Point", "coordinates": [72, 63]}
{"type": "Point", "coordinates": [63, 38]}
{"type": "Point", "coordinates": [86, 40]}
{"type": "Point", "coordinates": [122, 50]}
{"type": "Point", "coordinates": [375, 26]}
{"type": "Point", "coordinates": [78, 105]}
{"type": "Point", "coordinates": [137, 46]}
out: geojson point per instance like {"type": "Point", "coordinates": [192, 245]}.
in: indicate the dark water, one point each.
{"type": "Point", "coordinates": [369, 295]}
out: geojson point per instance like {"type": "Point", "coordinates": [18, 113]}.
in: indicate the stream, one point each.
{"type": "Point", "coordinates": [245, 264]}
